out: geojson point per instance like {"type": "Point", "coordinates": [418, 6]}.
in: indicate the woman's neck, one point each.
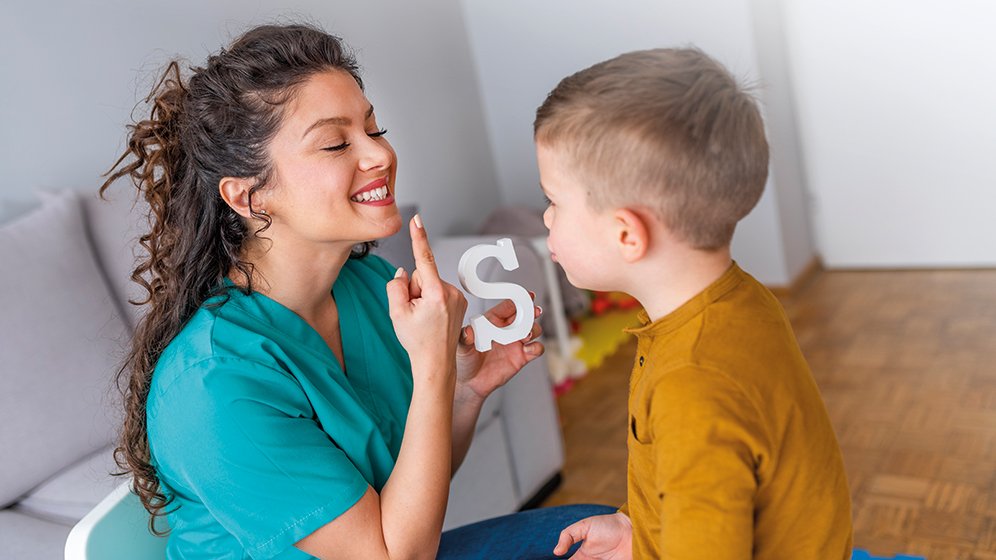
{"type": "Point", "coordinates": [299, 278]}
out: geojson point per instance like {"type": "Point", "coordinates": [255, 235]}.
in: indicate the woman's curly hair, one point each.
{"type": "Point", "coordinates": [216, 123]}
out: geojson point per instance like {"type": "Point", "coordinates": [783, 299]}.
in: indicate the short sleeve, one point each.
{"type": "Point", "coordinates": [242, 439]}
{"type": "Point", "coordinates": [707, 439]}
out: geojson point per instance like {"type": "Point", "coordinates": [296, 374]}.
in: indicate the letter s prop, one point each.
{"type": "Point", "coordinates": [484, 331]}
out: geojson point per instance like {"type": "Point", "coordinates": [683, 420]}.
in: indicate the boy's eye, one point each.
{"type": "Point", "coordinates": [547, 200]}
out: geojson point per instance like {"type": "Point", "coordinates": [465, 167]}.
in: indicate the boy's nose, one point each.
{"type": "Point", "coordinates": [547, 218]}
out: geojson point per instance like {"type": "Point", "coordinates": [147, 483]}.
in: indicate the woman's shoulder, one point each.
{"type": "Point", "coordinates": [218, 343]}
{"type": "Point", "coordinates": [214, 382]}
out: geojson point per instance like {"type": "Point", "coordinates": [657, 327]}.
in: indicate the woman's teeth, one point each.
{"type": "Point", "coordinates": [374, 194]}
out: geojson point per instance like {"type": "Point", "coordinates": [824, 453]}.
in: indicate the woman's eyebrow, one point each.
{"type": "Point", "coordinates": [338, 121]}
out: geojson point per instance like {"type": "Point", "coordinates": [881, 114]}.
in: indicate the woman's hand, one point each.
{"type": "Point", "coordinates": [480, 373]}
{"type": "Point", "coordinates": [426, 312]}
{"type": "Point", "coordinates": [606, 537]}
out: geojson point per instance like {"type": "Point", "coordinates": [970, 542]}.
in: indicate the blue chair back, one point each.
{"type": "Point", "coordinates": [116, 529]}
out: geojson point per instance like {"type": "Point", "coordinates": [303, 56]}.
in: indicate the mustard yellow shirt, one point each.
{"type": "Point", "coordinates": [731, 451]}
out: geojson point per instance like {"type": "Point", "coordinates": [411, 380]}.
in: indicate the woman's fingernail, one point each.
{"type": "Point", "coordinates": [540, 309]}
{"type": "Point", "coordinates": [418, 221]}
{"type": "Point", "coordinates": [399, 273]}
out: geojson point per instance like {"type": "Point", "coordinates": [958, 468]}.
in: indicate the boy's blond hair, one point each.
{"type": "Point", "coordinates": [666, 129]}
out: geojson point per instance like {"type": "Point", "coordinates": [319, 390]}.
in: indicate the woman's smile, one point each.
{"type": "Point", "coordinates": [376, 193]}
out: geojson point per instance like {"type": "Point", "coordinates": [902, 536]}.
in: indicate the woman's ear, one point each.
{"type": "Point", "coordinates": [235, 192]}
{"type": "Point", "coordinates": [632, 234]}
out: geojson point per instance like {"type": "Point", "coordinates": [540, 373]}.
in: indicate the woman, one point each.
{"type": "Point", "coordinates": [287, 393]}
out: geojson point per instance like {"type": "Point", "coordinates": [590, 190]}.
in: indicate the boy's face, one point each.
{"type": "Point", "coordinates": [580, 238]}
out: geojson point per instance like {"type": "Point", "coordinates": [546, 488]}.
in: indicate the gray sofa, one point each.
{"type": "Point", "coordinates": [65, 321]}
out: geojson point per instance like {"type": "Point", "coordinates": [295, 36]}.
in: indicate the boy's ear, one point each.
{"type": "Point", "coordinates": [235, 192]}
{"type": "Point", "coordinates": [632, 234]}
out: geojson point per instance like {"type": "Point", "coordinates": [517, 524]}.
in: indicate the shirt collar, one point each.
{"type": "Point", "coordinates": [675, 319]}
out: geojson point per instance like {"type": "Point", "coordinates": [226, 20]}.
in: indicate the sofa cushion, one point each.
{"type": "Point", "coordinates": [62, 342]}
{"type": "Point", "coordinates": [23, 536]}
{"type": "Point", "coordinates": [114, 225]}
{"type": "Point", "coordinates": [69, 495]}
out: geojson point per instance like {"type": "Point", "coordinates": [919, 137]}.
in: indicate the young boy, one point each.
{"type": "Point", "coordinates": [649, 160]}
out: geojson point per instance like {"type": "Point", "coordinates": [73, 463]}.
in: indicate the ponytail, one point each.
{"type": "Point", "coordinates": [157, 161]}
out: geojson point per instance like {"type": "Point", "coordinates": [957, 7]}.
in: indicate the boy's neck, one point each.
{"type": "Point", "coordinates": [668, 282]}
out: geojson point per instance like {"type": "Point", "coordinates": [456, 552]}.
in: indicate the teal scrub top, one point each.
{"type": "Point", "coordinates": [256, 431]}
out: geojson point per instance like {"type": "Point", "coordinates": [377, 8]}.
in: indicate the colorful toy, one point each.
{"type": "Point", "coordinates": [602, 302]}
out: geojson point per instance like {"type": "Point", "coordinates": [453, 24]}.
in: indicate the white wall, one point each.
{"type": "Point", "coordinates": [787, 164]}
{"type": "Point", "coordinates": [883, 111]}
{"type": "Point", "coordinates": [897, 109]}
{"type": "Point", "coordinates": [72, 71]}
{"type": "Point", "coordinates": [523, 48]}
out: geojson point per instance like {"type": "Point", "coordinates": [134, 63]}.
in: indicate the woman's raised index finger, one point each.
{"type": "Point", "coordinates": [425, 262]}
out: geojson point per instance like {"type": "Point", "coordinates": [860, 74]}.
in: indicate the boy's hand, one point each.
{"type": "Point", "coordinates": [483, 372]}
{"type": "Point", "coordinates": [606, 537]}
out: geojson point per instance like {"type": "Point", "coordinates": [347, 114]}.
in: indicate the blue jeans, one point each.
{"type": "Point", "coordinates": [527, 535]}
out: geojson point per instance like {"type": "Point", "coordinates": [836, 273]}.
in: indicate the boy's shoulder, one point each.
{"type": "Point", "coordinates": [749, 300]}
{"type": "Point", "coordinates": [746, 320]}
{"type": "Point", "coordinates": [730, 313]}
{"type": "Point", "coordinates": [739, 341]}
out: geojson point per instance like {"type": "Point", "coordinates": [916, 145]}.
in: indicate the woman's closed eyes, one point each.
{"type": "Point", "coordinates": [344, 145]}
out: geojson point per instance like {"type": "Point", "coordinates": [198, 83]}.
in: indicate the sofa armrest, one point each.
{"type": "Point", "coordinates": [529, 413]}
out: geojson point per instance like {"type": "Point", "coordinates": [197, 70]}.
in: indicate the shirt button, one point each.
{"type": "Point", "coordinates": [641, 360]}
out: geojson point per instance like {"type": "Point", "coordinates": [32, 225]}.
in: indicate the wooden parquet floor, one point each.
{"type": "Point", "coordinates": [906, 362]}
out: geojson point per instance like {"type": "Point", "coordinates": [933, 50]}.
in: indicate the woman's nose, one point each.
{"type": "Point", "coordinates": [377, 153]}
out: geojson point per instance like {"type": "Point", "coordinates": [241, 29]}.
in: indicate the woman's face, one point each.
{"type": "Point", "coordinates": [334, 171]}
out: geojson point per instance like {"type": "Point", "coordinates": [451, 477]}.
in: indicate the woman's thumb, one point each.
{"type": "Point", "coordinates": [398, 295]}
